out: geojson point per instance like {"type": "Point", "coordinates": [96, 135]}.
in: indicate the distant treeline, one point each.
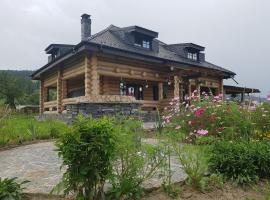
{"type": "Point", "coordinates": [17, 88]}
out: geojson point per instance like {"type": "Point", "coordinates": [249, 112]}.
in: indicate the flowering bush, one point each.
{"type": "Point", "coordinates": [268, 97]}
{"type": "Point", "coordinates": [261, 120]}
{"type": "Point", "coordinates": [208, 115]}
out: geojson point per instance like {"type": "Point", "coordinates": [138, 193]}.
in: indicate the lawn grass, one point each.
{"type": "Point", "coordinates": [19, 128]}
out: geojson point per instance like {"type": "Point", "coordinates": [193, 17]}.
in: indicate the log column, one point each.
{"type": "Point", "coordinates": [64, 92]}
{"type": "Point", "coordinates": [181, 93]}
{"type": "Point", "coordinates": [94, 76]}
{"type": "Point", "coordinates": [221, 89]}
{"type": "Point", "coordinates": [91, 76]}
{"type": "Point", "coordinates": [176, 87]}
{"type": "Point", "coordinates": [198, 87]}
{"type": "Point", "coordinates": [160, 91]}
{"type": "Point", "coordinates": [87, 79]}
{"type": "Point", "coordinates": [41, 96]}
{"type": "Point", "coordinates": [59, 91]}
{"type": "Point", "coordinates": [189, 88]}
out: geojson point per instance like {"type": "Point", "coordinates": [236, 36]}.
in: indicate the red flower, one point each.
{"type": "Point", "coordinates": [199, 112]}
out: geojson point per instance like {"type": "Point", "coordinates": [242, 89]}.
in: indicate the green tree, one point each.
{"type": "Point", "coordinates": [11, 88]}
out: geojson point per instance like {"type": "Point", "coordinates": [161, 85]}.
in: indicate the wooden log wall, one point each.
{"type": "Point", "coordinates": [128, 71]}
{"type": "Point", "coordinates": [50, 80]}
{"type": "Point", "coordinates": [74, 69]}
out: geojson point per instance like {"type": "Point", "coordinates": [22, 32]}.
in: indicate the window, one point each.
{"type": "Point", "coordinates": [192, 56]}
{"type": "Point", "coordinates": [52, 94]}
{"type": "Point", "coordinates": [146, 44]}
{"type": "Point", "coordinates": [142, 42]}
{"type": "Point", "coordinates": [189, 55]}
{"type": "Point", "coordinates": [131, 90]}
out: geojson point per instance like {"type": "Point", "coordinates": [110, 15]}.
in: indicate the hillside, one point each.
{"type": "Point", "coordinates": [20, 80]}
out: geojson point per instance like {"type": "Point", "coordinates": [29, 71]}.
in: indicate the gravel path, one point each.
{"type": "Point", "coordinates": [40, 164]}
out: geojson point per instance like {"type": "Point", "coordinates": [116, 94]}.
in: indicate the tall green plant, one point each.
{"type": "Point", "coordinates": [135, 162]}
{"type": "Point", "coordinates": [11, 190]}
{"type": "Point", "coordinates": [194, 161]}
{"type": "Point", "coordinates": [87, 151]}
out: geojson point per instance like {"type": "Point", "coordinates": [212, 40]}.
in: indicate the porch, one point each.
{"type": "Point", "coordinates": [99, 80]}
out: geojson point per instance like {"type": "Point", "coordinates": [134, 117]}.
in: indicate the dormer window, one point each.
{"type": "Point", "coordinates": [192, 56]}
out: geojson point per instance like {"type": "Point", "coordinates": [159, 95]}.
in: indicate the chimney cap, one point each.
{"type": "Point", "coordinates": [85, 16]}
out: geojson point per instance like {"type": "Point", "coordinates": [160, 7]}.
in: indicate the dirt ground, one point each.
{"type": "Point", "coordinates": [229, 192]}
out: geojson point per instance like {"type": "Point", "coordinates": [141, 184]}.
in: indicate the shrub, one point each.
{"type": "Point", "coordinates": [10, 189]}
{"type": "Point", "coordinates": [194, 161]}
{"type": "Point", "coordinates": [135, 162]}
{"type": "Point", "coordinates": [241, 161]}
{"type": "Point", "coordinates": [87, 151]}
{"type": "Point", "coordinates": [261, 120]}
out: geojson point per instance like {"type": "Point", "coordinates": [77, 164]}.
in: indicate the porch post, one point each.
{"type": "Point", "coordinates": [64, 92]}
{"type": "Point", "coordinates": [198, 87]}
{"type": "Point", "coordinates": [59, 91]}
{"type": "Point", "coordinates": [221, 89]}
{"type": "Point", "coordinates": [176, 87]}
{"type": "Point", "coordinates": [160, 91]}
{"type": "Point", "coordinates": [181, 93]}
{"type": "Point", "coordinates": [94, 76]}
{"type": "Point", "coordinates": [189, 88]}
{"type": "Point", "coordinates": [242, 97]}
{"type": "Point", "coordinates": [87, 77]}
{"type": "Point", "coordinates": [41, 96]}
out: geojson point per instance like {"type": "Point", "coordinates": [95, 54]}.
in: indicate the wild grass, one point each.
{"type": "Point", "coordinates": [19, 128]}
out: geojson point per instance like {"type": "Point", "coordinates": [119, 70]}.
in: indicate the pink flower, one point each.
{"type": "Point", "coordinates": [177, 127]}
{"type": "Point", "coordinates": [199, 112]}
{"type": "Point", "coordinates": [202, 132]}
{"type": "Point", "coordinates": [176, 98]}
{"type": "Point", "coordinates": [268, 98]}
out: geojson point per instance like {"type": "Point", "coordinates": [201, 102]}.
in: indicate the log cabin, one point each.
{"type": "Point", "coordinates": [122, 69]}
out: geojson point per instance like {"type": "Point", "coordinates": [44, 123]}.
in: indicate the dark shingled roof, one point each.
{"type": "Point", "coordinates": [116, 37]}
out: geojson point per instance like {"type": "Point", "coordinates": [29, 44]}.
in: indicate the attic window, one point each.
{"type": "Point", "coordinates": [142, 42]}
{"type": "Point", "coordinates": [192, 56]}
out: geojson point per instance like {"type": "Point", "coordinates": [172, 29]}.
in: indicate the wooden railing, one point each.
{"type": "Point", "coordinates": [164, 103]}
{"type": "Point", "coordinates": [50, 105]}
{"type": "Point", "coordinates": [150, 104]}
{"type": "Point", "coordinates": [100, 99]}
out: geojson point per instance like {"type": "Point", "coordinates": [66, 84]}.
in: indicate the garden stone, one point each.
{"type": "Point", "coordinates": [39, 163]}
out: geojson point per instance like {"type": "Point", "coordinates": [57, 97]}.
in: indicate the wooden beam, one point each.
{"type": "Point", "coordinates": [160, 91]}
{"type": "Point", "coordinates": [198, 87]}
{"type": "Point", "coordinates": [87, 77]}
{"type": "Point", "coordinates": [94, 76]}
{"type": "Point", "coordinates": [176, 87]}
{"type": "Point", "coordinates": [41, 96]}
{"type": "Point", "coordinates": [59, 91]}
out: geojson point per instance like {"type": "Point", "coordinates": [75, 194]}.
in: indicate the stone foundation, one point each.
{"type": "Point", "coordinates": [101, 109]}
{"type": "Point", "coordinates": [97, 110]}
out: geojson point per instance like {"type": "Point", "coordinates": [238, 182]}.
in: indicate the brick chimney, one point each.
{"type": "Point", "coordinates": [85, 27]}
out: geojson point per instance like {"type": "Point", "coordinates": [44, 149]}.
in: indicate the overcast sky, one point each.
{"type": "Point", "coordinates": [236, 33]}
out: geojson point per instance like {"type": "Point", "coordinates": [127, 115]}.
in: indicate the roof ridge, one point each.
{"type": "Point", "coordinates": [102, 31]}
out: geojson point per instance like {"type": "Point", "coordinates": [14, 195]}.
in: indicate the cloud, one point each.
{"type": "Point", "coordinates": [235, 33]}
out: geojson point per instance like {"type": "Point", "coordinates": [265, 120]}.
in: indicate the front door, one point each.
{"type": "Point", "coordinates": [135, 91]}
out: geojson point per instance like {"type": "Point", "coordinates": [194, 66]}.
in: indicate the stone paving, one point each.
{"type": "Point", "coordinates": [40, 164]}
